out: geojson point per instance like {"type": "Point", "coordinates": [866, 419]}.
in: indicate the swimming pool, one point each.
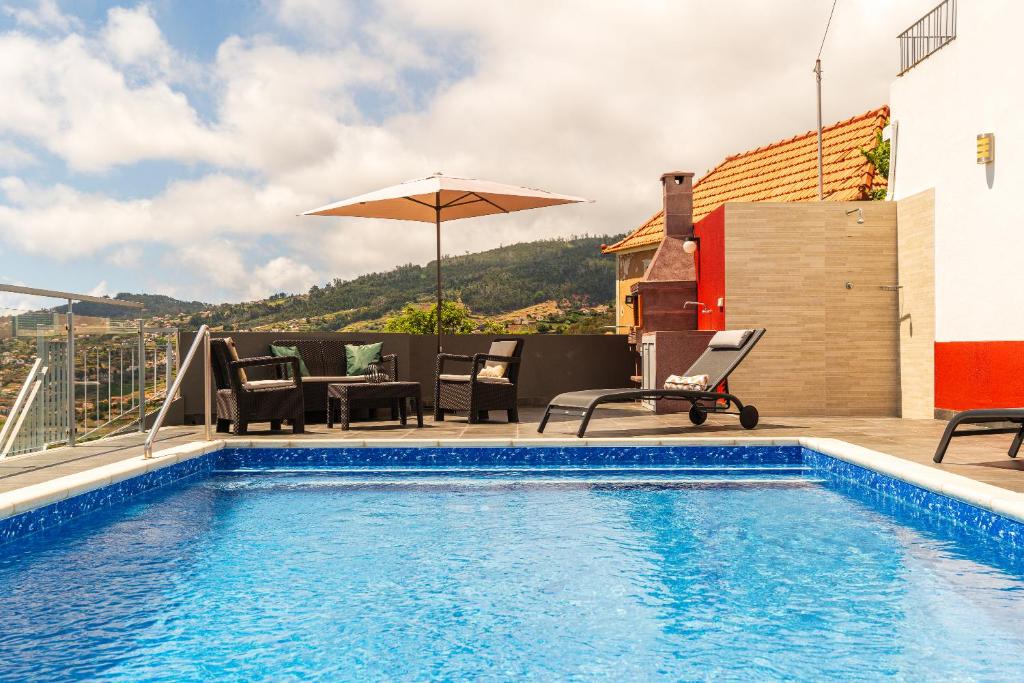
{"type": "Point", "coordinates": [619, 562]}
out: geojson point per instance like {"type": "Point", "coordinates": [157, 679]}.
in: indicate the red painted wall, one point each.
{"type": "Point", "coordinates": [987, 374]}
{"type": "Point", "coordinates": [710, 259]}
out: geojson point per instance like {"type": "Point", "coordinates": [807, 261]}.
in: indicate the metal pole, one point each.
{"type": "Point", "coordinates": [110, 387]}
{"type": "Point", "coordinates": [437, 227]}
{"type": "Point", "coordinates": [207, 388]}
{"type": "Point", "coordinates": [167, 366]}
{"type": "Point", "coordinates": [131, 391]}
{"type": "Point", "coordinates": [85, 390]}
{"type": "Point", "coordinates": [821, 180]}
{"type": "Point", "coordinates": [71, 373]}
{"type": "Point", "coordinates": [142, 375]}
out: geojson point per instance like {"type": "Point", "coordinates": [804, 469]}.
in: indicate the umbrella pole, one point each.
{"type": "Point", "coordinates": [437, 227]}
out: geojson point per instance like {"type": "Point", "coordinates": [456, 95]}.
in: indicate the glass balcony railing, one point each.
{"type": "Point", "coordinates": [66, 379]}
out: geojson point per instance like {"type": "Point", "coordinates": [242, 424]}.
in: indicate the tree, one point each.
{"type": "Point", "coordinates": [878, 156]}
{"type": "Point", "coordinates": [493, 327]}
{"type": "Point", "coordinates": [413, 320]}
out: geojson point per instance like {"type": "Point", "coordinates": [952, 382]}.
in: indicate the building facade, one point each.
{"type": "Point", "coordinates": [957, 166]}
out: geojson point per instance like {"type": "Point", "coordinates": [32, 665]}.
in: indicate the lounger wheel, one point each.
{"type": "Point", "coordinates": [748, 417]}
{"type": "Point", "coordinates": [698, 415]}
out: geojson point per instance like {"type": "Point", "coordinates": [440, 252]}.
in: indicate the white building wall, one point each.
{"type": "Point", "coordinates": [973, 85]}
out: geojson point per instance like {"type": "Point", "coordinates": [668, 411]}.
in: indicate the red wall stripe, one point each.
{"type": "Point", "coordinates": [711, 268]}
{"type": "Point", "coordinates": [986, 374]}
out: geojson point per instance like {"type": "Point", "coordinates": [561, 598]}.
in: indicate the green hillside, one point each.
{"type": "Point", "coordinates": [490, 282]}
{"type": "Point", "coordinates": [156, 305]}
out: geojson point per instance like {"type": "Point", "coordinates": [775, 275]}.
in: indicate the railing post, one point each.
{"type": "Point", "coordinates": [167, 366]}
{"type": "Point", "coordinates": [142, 375]}
{"type": "Point", "coordinates": [70, 388]}
{"type": "Point", "coordinates": [207, 388]}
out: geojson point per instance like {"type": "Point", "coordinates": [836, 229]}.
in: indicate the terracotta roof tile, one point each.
{"type": "Point", "coordinates": [784, 171]}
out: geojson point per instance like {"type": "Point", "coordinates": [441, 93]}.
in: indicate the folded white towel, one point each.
{"type": "Point", "coordinates": [691, 383]}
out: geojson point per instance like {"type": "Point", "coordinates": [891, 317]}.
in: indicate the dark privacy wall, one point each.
{"type": "Point", "coordinates": [552, 364]}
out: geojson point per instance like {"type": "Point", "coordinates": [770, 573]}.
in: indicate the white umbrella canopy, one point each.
{"type": "Point", "coordinates": [453, 198]}
{"type": "Point", "coordinates": [440, 198]}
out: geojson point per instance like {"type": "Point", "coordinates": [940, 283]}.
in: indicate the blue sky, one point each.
{"type": "Point", "coordinates": [167, 146]}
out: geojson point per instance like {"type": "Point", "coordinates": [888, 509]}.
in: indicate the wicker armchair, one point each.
{"type": "Point", "coordinates": [241, 400]}
{"type": "Point", "coordinates": [476, 393]}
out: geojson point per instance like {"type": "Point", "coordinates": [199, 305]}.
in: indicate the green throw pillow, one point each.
{"type": "Point", "coordinates": [281, 351]}
{"type": "Point", "coordinates": [358, 358]}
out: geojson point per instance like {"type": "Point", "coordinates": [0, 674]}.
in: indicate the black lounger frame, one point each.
{"type": "Point", "coordinates": [708, 400]}
{"type": "Point", "coordinates": [984, 416]}
{"type": "Point", "coordinates": [628, 395]}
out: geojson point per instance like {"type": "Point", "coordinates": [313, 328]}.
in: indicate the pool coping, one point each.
{"type": "Point", "coordinates": [985, 496]}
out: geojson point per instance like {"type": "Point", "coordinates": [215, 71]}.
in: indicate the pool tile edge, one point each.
{"type": "Point", "coordinates": [985, 496]}
{"type": "Point", "coordinates": [45, 493]}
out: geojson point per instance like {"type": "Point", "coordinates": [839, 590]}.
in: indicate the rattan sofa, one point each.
{"type": "Point", "coordinates": [477, 394]}
{"type": "Point", "coordinates": [325, 360]}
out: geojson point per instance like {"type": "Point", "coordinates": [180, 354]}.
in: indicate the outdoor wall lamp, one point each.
{"type": "Point", "coordinates": [860, 215]}
{"type": "Point", "coordinates": [690, 247]}
{"type": "Point", "coordinates": [986, 148]}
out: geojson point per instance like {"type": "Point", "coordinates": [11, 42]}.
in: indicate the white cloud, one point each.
{"type": "Point", "coordinates": [218, 260]}
{"type": "Point", "coordinates": [14, 157]}
{"type": "Point", "coordinates": [282, 274]}
{"type": "Point", "coordinates": [321, 20]}
{"type": "Point", "coordinates": [128, 256]}
{"type": "Point", "coordinates": [45, 16]}
{"type": "Point", "coordinates": [63, 222]}
{"type": "Point", "coordinates": [133, 38]}
{"type": "Point", "coordinates": [276, 120]}
{"type": "Point", "coordinates": [220, 263]}
{"type": "Point", "coordinates": [67, 99]}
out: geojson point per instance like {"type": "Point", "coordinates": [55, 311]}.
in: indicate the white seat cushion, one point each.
{"type": "Point", "coordinates": [261, 384]}
{"type": "Point", "coordinates": [465, 378]}
{"type": "Point", "coordinates": [335, 379]}
{"type": "Point", "coordinates": [500, 348]}
{"type": "Point", "coordinates": [731, 339]}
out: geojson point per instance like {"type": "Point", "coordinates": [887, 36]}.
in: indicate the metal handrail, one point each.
{"type": "Point", "coordinates": [202, 338]}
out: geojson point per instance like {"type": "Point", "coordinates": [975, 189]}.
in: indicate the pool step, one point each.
{"type": "Point", "coordinates": [553, 471]}
{"type": "Point", "coordinates": [519, 477]}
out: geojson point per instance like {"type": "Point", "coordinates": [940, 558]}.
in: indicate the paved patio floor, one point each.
{"type": "Point", "coordinates": [981, 458]}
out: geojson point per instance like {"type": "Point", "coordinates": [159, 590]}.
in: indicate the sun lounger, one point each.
{"type": "Point", "coordinates": [725, 352]}
{"type": "Point", "coordinates": [1014, 416]}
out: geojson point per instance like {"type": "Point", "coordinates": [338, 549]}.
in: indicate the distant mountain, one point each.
{"type": "Point", "coordinates": [489, 283]}
{"type": "Point", "coordinates": [156, 305]}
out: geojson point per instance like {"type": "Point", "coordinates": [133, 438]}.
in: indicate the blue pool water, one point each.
{"type": "Point", "coordinates": [633, 564]}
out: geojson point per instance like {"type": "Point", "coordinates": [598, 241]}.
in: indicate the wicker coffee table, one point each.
{"type": "Point", "coordinates": [346, 397]}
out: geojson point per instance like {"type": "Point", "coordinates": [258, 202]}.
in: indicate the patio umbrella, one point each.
{"type": "Point", "coordinates": [439, 198]}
